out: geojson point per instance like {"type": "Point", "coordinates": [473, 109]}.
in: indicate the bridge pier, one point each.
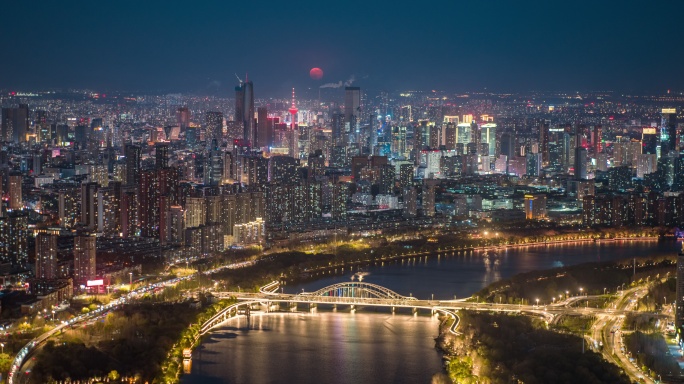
{"type": "Point", "coordinates": [353, 307]}
{"type": "Point", "coordinates": [312, 307]}
{"type": "Point", "coordinates": [393, 309]}
{"type": "Point", "coordinates": [293, 307]}
{"type": "Point", "coordinates": [414, 310]}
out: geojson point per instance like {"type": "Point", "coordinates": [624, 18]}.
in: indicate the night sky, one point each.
{"type": "Point", "coordinates": [197, 46]}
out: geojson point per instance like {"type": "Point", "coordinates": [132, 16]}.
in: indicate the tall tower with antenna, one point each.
{"type": "Point", "coordinates": [293, 111]}
{"type": "Point", "coordinates": [294, 141]}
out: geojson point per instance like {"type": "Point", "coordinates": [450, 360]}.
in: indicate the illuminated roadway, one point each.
{"type": "Point", "coordinates": [18, 365]}
{"type": "Point", "coordinates": [607, 329]}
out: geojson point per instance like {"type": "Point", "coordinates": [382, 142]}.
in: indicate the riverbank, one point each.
{"type": "Point", "coordinates": [298, 266]}
{"type": "Point", "coordinates": [548, 286]}
{"type": "Point", "coordinates": [500, 348]}
{"type": "Point", "coordinates": [349, 266]}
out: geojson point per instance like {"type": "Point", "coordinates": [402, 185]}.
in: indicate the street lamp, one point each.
{"type": "Point", "coordinates": [566, 294]}
{"type": "Point", "coordinates": [604, 291]}
{"type": "Point", "coordinates": [537, 302]}
{"type": "Point", "coordinates": [3, 347]}
{"type": "Point", "coordinates": [53, 316]}
{"type": "Point", "coordinates": [130, 279]}
{"type": "Point", "coordinates": [581, 289]}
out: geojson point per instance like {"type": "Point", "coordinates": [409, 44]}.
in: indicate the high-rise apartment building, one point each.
{"type": "Point", "coordinates": [46, 256]}
{"type": "Point", "coordinates": [85, 251]}
{"type": "Point", "coordinates": [15, 193]}
{"type": "Point", "coordinates": [13, 238]}
{"type": "Point", "coordinates": [14, 124]}
{"type": "Point", "coordinates": [544, 141]}
{"type": "Point", "coordinates": [161, 155]}
{"type": "Point", "coordinates": [213, 127]}
{"type": "Point", "coordinates": [133, 155]}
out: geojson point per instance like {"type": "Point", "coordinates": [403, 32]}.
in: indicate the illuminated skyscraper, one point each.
{"type": "Point", "coordinates": [68, 206]}
{"type": "Point", "coordinates": [14, 124]}
{"type": "Point", "coordinates": [544, 141]}
{"type": "Point", "coordinates": [649, 141]}
{"type": "Point", "coordinates": [158, 191]}
{"type": "Point", "coordinates": [195, 212]}
{"type": "Point", "coordinates": [463, 134]}
{"type": "Point", "coordinates": [183, 118]}
{"type": "Point", "coordinates": [133, 154]}
{"type": "Point", "coordinates": [475, 136]}
{"type": "Point", "coordinates": [352, 110]}
{"type": "Point", "coordinates": [580, 163]}
{"type": "Point", "coordinates": [15, 193]}
{"type": "Point", "coordinates": [264, 129]}
{"type": "Point", "coordinates": [46, 256]}
{"type": "Point", "coordinates": [244, 110]}
{"type": "Point", "coordinates": [669, 132]}
{"type": "Point", "coordinates": [13, 238]}
{"type": "Point", "coordinates": [85, 250]}
{"type": "Point", "coordinates": [213, 127]}
{"type": "Point", "coordinates": [108, 209]}
{"type": "Point", "coordinates": [161, 153]}
{"type": "Point", "coordinates": [488, 136]}
{"type": "Point", "coordinates": [596, 139]}
{"type": "Point", "coordinates": [89, 205]}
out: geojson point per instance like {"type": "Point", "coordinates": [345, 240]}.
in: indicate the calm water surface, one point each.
{"type": "Point", "coordinates": [323, 347]}
{"type": "Point", "coordinates": [377, 347]}
{"type": "Point", "coordinates": [464, 274]}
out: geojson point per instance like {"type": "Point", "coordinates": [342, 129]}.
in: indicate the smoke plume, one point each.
{"type": "Point", "coordinates": [340, 83]}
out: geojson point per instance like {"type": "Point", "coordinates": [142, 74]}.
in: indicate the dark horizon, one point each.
{"type": "Point", "coordinates": [499, 46]}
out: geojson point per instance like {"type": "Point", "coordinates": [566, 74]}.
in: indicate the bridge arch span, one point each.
{"type": "Point", "coordinates": [357, 290]}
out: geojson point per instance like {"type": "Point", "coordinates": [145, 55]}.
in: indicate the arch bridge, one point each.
{"type": "Point", "coordinates": [359, 290]}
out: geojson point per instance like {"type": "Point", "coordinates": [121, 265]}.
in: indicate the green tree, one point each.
{"type": "Point", "coordinates": [113, 375]}
{"type": "Point", "coordinates": [5, 362]}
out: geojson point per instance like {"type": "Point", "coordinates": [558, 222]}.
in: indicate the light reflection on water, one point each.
{"type": "Point", "coordinates": [323, 347]}
{"type": "Point", "coordinates": [465, 273]}
{"type": "Point", "coordinates": [363, 347]}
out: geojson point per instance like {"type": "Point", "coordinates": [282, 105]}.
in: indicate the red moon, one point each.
{"type": "Point", "coordinates": [316, 73]}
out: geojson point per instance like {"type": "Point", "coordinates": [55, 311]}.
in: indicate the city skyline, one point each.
{"type": "Point", "coordinates": [500, 46]}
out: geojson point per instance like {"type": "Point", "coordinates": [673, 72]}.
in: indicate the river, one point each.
{"type": "Point", "coordinates": [374, 346]}
{"type": "Point", "coordinates": [322, 347]}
